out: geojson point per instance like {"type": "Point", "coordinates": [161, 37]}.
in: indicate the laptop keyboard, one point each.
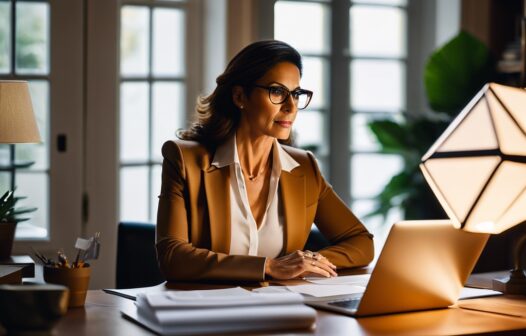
{"type": "Point", "coordinates": [346, 303]}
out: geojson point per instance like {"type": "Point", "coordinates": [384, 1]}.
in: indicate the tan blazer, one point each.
{"type": "Point", "coordinates": [193, 219]}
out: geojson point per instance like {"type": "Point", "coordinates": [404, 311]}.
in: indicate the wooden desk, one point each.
{"type": "Point", "coordinates": [101, 316]}
{"type": "Point", "coordinates": [24, 261]}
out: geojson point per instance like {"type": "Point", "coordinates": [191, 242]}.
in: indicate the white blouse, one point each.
{"type": "Point", "coordinates": [246, 238]}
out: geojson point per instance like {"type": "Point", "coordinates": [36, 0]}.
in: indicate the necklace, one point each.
{"type": "Point", "coordinates": [254, 178]}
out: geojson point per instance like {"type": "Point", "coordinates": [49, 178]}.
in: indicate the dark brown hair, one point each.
{"type": "Point", "coordinates": [217, 115]}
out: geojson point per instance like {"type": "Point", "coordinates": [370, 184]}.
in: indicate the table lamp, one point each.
{"type": "Point", "coordinates": [477, 170]}
{"type": "Point", "coordinates": [17, 120]}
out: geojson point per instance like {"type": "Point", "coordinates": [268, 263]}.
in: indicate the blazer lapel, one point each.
{"type": "Point", "coordinates": [294, 203]}
{"type": "Point", "coordinates": [218, 198]}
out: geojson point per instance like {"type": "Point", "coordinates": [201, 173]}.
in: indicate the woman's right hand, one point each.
{"type": "Point", "coordinates": [299, 264]}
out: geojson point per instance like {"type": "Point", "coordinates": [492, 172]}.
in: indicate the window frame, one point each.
{"type": "Point", "coordinates": [191, 79]}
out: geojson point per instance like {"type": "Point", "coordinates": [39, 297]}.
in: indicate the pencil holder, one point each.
{"type": "Point", "coordinates": [76, 279]}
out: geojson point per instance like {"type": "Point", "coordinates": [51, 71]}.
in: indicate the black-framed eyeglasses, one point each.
{"type": "Point", "coordinates": [278, 94]}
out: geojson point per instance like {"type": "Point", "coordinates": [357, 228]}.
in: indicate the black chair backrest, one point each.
{"type": "Point", "coordinates": [136, 256]}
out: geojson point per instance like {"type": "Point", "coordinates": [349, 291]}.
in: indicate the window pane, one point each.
{"type": "Point", "coordinates": [303, 25]}
{"type": "Point", "coordinates": [309, 130]}
{"type": "Point", "coordinates": [168, 113]}
{"type": "Point", "coordinates": [371, 172]}
{"type": "Point", "coordinates": [362, 139]}
{"type": "Point", "coordinates": [156, 190]}
{"type": "Point", "coordinates": [134, 194]}
{"type": "Point", "coordinates": [361, 208]}
{"type": "Point", "coordinates": [377, 225]}
{"type": "Point", "coordinates": [134, 125]}
{"type": "Point", "coordinates": [5, 37]}
{"type": "Point", "coordinates": [35, 187]}
{"type": "Point", "coordinates": [134, 40]}
{"type": "Point", "coordinates": [315, 73]}
{"type": "Point", "coordinates": [361, 136]}
{"type": "Point", "coordinates": [168, 42]}
{"type": "Point", "coordinates": [32, 38]}
{"type": "Point", "coordinates": [377, 31]}
{"type": "Point", "coordinates": [377, 85]}
{"type": "Point", "coordinates": [5, 182]}
{"type": "Point", "coordinates": [383, 2]}
{"type": "Point", "coordinates": [4, 155]}
{"type": "Point", "coordinates": [38, 153]}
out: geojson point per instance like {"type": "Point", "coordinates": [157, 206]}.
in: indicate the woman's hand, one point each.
{"type": "Point", "coordinates": [299, 264]}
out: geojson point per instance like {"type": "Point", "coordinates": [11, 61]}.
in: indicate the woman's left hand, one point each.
{"type": "Point", "coordinates": [299, 264]}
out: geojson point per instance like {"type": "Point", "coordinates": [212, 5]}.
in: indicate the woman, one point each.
{"type": "Point", "coordinates": [235, 204]}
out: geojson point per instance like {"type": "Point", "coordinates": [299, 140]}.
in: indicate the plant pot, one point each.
{"type": "Point", "coordinates": [7, 236]}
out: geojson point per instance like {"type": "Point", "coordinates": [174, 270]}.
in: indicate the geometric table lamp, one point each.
{"type": "Point", "coordinates": [477, 167]}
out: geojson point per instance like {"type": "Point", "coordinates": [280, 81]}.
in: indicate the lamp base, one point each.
{"type": "Point", "coordinates": [515, 283]}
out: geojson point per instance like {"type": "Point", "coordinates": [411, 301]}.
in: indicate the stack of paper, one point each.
{"type": "Point", "coordinates": [221, 311]}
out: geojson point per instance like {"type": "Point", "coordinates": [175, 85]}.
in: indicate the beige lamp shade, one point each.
{"type": "Point", "coordinates": [477, 167]}
{"type": "Point", "coordinates": [17, 120]}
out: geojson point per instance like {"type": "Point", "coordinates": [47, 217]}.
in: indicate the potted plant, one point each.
{"type": "Point", "coordinates": [9, 218]}
{"type": "Point", "coordinates": [453, 74]}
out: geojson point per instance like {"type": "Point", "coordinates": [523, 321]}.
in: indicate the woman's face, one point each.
{"type": "Point", "coordinates": [261, 117]}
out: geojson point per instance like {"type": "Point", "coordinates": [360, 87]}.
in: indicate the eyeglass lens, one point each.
{"type": "Point", "coordinates": [278, 95]}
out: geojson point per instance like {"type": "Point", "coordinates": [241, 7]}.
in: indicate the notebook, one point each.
{"type": "Point", "coordinates": [423, 265]}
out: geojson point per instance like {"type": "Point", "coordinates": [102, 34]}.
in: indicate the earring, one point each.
{"type": "Point", "coordinates": [241, 107]}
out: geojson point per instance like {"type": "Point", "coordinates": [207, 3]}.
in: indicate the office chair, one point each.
{"type": "Point", "coordinates": [136, 256]}
{"type": "Point", "coordinates": [316, 241]}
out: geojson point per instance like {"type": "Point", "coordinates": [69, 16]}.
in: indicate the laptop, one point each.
{"type": "Point", "coordinates": [423, 265]}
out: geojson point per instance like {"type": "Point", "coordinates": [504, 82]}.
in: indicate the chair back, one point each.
{"type": "Point", "coordinates": [137, 264]}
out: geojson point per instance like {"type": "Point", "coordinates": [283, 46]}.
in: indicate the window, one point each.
{"type": "Point", "coordinates": [355, 62]}
{"type": "Point", "coordinates": [25, 55]}
{"type": "Point", "coordinates": [312, 39]}
{"type": "Point", "coordinates": [377, 72]}
{"type": "Point", "coordinates": [152, 99]}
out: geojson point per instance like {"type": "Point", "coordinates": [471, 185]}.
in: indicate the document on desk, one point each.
{"type": "Point", "coordinates": [320, 291]}
{"type": "Point", "coordinates": [356, 280]}
{"type": "Point", "coordinates": [220, 311]}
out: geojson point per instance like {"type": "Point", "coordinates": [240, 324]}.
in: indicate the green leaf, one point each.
{"type": "Point", "coordinates": [391, 135]}
{"type": "Point", "coordinates": [9, 212]}
{"type": "Point", "coordinates": [453, 75]}
{"type": "Point", "coordinates": [455, 72]}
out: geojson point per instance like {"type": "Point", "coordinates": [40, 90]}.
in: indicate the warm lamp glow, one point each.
{"type": "Point", "coordinates": [17, 120]}
{"type": "Point", "coordinates": [486, 227]}
{"type": "Point", "coordinates": [477, 168]}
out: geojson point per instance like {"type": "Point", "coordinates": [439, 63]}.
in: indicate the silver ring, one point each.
{"type": "Point", "coordinates": [308, 254]}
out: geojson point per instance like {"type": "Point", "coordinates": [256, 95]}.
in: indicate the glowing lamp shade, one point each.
{"type": "Point", "coordinates": [477, 168]}
{"type": "Point", "coordinates": [17, 120]}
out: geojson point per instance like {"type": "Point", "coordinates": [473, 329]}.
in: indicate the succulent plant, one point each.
{"type": "Point", "coordinates": [9, 213]}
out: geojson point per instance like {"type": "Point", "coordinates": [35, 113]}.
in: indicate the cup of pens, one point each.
{"type": "Point", "coordinates": [75, 278]}
{"type": "Point", "coordinates": [76, 274]}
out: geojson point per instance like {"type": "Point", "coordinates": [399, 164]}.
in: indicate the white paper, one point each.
{"type": "Point", "coordinates": [325, 290]}
{"type": "Point", "coordinates": [214, 298]}
{"type": "Point", "coordinates": [221, 311]}
{"type": "Point", "coordinates": [243, 315]}
{"type": "Point", "coordinates": [227, 320]}
{"type": "Point", "coordinates": [271, 289]}
{"type": "Point", "coordinates": [82, 244]}
{"type": "Point", "coordinates": [468, 292]}
{"type": "Point", "coordinates": [357, 280]}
